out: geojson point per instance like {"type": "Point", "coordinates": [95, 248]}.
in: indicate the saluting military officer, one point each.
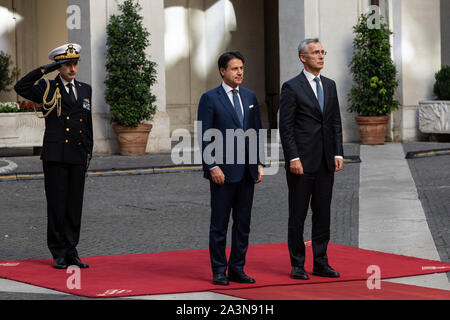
{"type": "Point", "coordinates": [66, 150]}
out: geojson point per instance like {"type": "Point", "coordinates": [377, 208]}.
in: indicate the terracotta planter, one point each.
{"type": "Point", "coordinates": [372, 130]}
{"type": "Point", "coordinates": [132, 141]}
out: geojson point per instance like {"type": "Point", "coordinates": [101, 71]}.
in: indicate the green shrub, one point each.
{"type": "Point", "coordinates": [9, 107]}
{"type": "Point", "coordinates": [374, 72]}
{"type": "Point", "coordinates": [130, 75]}
{"type": "Point", "coordinates": [7, 75]}
{"type": "Point", "coordinates": [441, 88]}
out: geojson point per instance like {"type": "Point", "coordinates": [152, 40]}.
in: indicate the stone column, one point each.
{"type": "Point", "coordinates": [417, 54]}
{"type": "Point", "coordinates": [153, 13]}
{"type": "Point", "coordinates": [292, 21]}
{"type": "Point", "coordinates": [78, 25]}
{"type": "Point", "coordinates": [445, 31]}
{"type": "Point", "coordinates": [8, 39]}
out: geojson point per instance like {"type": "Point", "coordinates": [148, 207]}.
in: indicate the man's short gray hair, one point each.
{"type": "Point", "coordinates": [304, 44]}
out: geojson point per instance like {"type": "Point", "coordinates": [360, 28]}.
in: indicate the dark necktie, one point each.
{"type": "Point", "coordinates": [71, 93]}
{"type": "Point", "coordinates": [319, 93]}
{"type": "Point", "coordinates": [237, 107]}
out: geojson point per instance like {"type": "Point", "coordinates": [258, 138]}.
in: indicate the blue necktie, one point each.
{"type": "Point", "coordinates": [237, 107]}
{"type": "Point", "coordinates": [319, 93]}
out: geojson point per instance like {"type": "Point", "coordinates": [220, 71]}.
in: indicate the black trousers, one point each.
{"type": "Point", "coordinates": [238, 199]}
{"type": "Point", "coordinates": [64, 190]}
{"type": "Point", "coordinates": [315, 189]}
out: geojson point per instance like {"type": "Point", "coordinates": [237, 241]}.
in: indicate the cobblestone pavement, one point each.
{"type": "Point", "coordinates": [160, 212]}
{"type": "Point", "coordinates": [164, 212]}
{"type": "Point", "coordinates": [432, 178]}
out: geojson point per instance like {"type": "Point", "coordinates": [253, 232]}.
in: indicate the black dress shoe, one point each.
{"type": "Point", "coordinates": [60, 263]}
{"type": "Point", "coordinates": [239, 276]}
{"type": "Point", "coordinates": [75, 261]}
{"type": "Point", "coordinates": [220, 279]}
{"type": "Point", "coordinates": [299, 273]}
{"type": "Point", "coordinates": [325, 271]}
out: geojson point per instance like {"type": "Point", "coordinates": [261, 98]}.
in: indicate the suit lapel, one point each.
{"type": "Point", "coordinates": [79, 91]}
{"type": "Point", "coordinates": [245, 105]}
{"type": "Point", "coordinates": [65, 96]}
{"type": "Point", "coordinates": [227, 105]}
{"type": "Point", "coordinates": [326, 94]}
{"type": "Point", "coordinates": [309, 92]}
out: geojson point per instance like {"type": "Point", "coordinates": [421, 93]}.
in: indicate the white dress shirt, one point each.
{"type": "Point", "coordinates": [74, 88]}
{"type": "Point", "coordinates": [311, 81]}
{"type": "Point", "coordinates": [229, 91]}
{"type": "Point", "coordinates": [310, 77]}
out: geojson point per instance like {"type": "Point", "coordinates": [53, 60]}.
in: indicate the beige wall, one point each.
{"type": "Point", "coordinates": [7, 39]}
{"type": "Point", "coordinates": [420, 47]}
{"type": "Point", "coordinates": [51, 27]}
{"type": "Point", "coordinates": [104, 137]}
{"type": "Point", "coordinates": [39, 27]}
{"type": "Point", "coordinates": [417, 52]}
{"type": "Point", "coordinates": [196, 33]}
{"type": "Point", "coordinates": [332, 22]}
{"type": "Point", "coordinates": [181, 48]}
{"type": "Point", "coordinates": [445, 31]}
{"type": "Point", "coordinates": [248, 38]}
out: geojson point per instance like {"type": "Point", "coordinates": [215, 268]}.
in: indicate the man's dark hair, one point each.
{"type": "Point", "coordinates": [227, 56]}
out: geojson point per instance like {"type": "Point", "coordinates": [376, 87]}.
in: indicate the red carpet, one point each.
{"type": "Point", "coordinates": [350, 290]}
{"type": "Point", "coordinates": [189, 271]}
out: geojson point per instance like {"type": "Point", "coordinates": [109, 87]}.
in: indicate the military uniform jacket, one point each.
{"type": "Point", "coordinates": [68, 138]}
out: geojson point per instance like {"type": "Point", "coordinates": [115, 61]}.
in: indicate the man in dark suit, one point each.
{"type": "Point", "coordinates": [66, 150]}
{"type": "Point", "coordinates": [233, 168]}
{"type": "Point", "coordinates": [311, 135]}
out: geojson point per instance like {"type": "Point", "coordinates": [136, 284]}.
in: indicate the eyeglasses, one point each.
{"type": "Point", "coordinates": [317, 52]}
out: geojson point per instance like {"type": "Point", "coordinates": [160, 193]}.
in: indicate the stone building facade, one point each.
{"type": "Point", "coordinates": [187, 36]}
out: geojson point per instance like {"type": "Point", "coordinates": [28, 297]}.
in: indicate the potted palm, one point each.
{"type": "Point", "coordinates": [434, 115]}
{"type": "Point", "coordinates": [374, 76]}
{"type": "Point", "coordinates": [130, 76]}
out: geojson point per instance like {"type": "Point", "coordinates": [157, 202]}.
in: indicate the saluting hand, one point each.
{"type": "Point", "coordinates": [51, 67]}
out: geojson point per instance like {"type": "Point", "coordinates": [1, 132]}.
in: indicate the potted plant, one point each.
{"type": "Point", "coordinates": [130, 76]}
{"type": "Point", "coordinates": [374, 76]}
{"type": "Point", "coordinates": [7, 76]}
{"type": "Point", "coordinates": [434, 115]}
